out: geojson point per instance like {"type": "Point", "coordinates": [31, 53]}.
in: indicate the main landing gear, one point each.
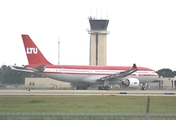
{"type": "Point", "coordinates": [106, 87]}
{"type": "Point", "coordinates": [144, 86]}
{"type": "Point", "coordinates": [82, 87]}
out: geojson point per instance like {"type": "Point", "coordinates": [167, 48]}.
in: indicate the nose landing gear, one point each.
{"type": "Point", "coordinates": [144, 86]}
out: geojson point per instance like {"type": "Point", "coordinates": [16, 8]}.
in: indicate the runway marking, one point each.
{"type": "Point", "coordinates": [90, 92]}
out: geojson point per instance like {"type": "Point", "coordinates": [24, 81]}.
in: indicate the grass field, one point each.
{"type": "Point", "coordinates": [85, 104]}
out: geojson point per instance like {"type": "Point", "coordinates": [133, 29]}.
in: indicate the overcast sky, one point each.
{"type": "Point", "coordinates": [141, 31]}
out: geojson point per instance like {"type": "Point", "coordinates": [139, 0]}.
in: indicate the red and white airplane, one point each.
{"type": "Point", "coordinates": [84, 75]}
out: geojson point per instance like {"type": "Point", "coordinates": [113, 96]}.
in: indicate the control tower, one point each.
{"type": "Point", "coordinates": [98, 41]}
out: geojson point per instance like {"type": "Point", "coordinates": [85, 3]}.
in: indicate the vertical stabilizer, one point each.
{"type": "Point", "coordinates": [35, 57]}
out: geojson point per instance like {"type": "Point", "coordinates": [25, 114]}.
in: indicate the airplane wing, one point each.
{"type": "Point", "coordinates": [118, 75]}
{"type": "Point", "coordinates": [121, 74]}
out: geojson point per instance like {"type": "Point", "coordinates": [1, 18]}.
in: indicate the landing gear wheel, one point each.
{"type": "Point", "coordinates": [104, 88]}
{"type": "Point", "coordinates": [81, 87]}
{"type": "Point", "coordinates": [143, 88]}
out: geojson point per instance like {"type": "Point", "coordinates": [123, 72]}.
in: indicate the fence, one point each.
{"type": "Point", "coordinates": [145, 116]}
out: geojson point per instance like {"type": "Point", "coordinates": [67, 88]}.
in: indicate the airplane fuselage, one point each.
{"type": "Point", "coordinates": [74, 74]}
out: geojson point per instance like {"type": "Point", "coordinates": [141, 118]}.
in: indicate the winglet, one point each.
{"type": "Point", "coordinates": [134, 66]}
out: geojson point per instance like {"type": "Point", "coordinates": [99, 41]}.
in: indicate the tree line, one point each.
{"type": "Point", "coordinates": [166, 72]}
{"type": "Point", "coordinates": [7, 76]}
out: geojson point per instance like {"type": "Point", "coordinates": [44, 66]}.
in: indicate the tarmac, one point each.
{"type": "Point", "coordinates": [91, 92]}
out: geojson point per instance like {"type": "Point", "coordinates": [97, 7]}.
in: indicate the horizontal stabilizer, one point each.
{"type": "Point", "coordinates": [22, 69]}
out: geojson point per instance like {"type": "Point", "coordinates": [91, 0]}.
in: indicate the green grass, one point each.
{"type": "Point", "coordinates": [85, 104]}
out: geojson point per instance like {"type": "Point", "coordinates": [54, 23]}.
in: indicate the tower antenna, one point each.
{"type": "Point", "coordinates": [100, 14]}
{"type": "Point", "coordinates": [59, 50]}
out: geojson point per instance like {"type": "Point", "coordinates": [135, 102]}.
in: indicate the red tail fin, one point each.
{"type": "Point", "coordinates": [33, 53]}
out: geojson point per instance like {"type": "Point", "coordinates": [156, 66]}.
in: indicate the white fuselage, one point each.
{"type": "Point", "coordinates": [77, 75]}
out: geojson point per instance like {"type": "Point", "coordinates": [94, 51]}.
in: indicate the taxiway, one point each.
{"type": "Point", "coordinates": [91, 92]}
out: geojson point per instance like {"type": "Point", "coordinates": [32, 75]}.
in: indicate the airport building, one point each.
{"type": "Point", "coordinates": [159, 84]}
{"type": "Point", "coordinates": [98, 33]}
{"type": "Point", "coordinates": [163, 84]}
{"type": "Point", "coordinates": [45, 83]}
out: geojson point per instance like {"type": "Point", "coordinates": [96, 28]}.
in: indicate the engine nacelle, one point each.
{"type": "Point", "coordinates": [131, 82]}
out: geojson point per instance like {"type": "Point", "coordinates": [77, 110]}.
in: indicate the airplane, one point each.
{"type": "Point", "coordinates": [85, 75]}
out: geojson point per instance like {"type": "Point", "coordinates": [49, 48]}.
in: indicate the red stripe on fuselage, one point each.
{"type": "Point", "coordinates": [96, 74]}
{"type": "Point", "coordinates": [97, 67]}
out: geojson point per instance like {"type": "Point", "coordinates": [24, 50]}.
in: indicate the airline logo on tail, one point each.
{"type": "Point", "coordinates": [31, 50]}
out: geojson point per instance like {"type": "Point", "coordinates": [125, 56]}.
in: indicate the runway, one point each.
{"type": "Point", "coordinates": [91, 92]}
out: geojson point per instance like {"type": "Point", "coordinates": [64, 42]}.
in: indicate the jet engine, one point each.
{"type": "Point", "coordinates": [131, 82]}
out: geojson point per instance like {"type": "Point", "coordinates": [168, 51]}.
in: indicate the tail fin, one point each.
{"type": "Point", "coordinates": [35, 57]}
